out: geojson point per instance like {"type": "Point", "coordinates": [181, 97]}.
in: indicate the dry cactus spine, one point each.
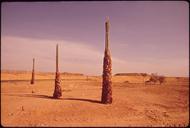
{"type": "Point", "coordinates": [57, 91]}
{"type": "Point", "coordinates": [107, 70]}
{"type": "Point", "coordinates": [33, 73]}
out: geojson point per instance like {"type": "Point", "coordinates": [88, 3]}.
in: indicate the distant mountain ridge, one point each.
{"type": "Point", "coordinates": [38, 72]}
{"type": "Point", "coordinates": [132, 74]}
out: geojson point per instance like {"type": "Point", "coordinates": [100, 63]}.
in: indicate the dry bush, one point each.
{"type": "Point", "coordinates": [154, 78]}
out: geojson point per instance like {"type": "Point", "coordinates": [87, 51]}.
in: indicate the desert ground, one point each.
{"type": "Point", "coordinates": [134, 102]}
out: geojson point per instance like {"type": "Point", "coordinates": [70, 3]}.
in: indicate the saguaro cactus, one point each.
{"type": "Point", "coordinates": [107, 68]}
{"type": "Point", "coordinates": [57, 91]}
{"type": "Point", "coordinates": [33, 73]}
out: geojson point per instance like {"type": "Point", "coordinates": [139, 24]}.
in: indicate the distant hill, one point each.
{"type": "Point", "coordinates": [72, 74]}
{"type": "Point", "coordinates": [41, 73]}
{"type": "Point", "coordinates": [131, 74]}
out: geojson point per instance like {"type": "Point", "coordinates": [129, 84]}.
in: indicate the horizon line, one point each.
{"type": "Point", "coordinates": [9, 70]}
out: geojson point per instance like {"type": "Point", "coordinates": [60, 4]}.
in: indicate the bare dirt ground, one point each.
{"type": "Point", "coordinates": [23, 104]}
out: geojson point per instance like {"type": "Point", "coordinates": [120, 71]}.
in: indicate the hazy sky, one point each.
{"type": "Point", "coordinates": [145, 36]}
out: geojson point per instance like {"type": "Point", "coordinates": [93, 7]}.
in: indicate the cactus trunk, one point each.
{"type": "Point", "coordinates": [57, 91]}
{"type": "Point", "coordinates": [33, 73]}
{"type": "Point", "coordinates": [107, 71]}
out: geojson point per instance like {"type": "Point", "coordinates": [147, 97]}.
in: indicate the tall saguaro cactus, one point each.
{"type": "Point", "coordinates": [57, 91]}
{"type": "Point", "coordinates": [107, 70]}
{"type": "Point", "coordinates": [33, 73]}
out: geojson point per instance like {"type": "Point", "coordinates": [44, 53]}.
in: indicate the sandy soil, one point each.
{"type": "Point", "coordinates": [23, 104]}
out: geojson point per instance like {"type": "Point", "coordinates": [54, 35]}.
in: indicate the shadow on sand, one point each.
{"type": "Point", "coordinates": [32, 95]}
{"type": "Point", "coordinates": [88, 100]}
{"type": "Point", "coordinates": [51, 97]}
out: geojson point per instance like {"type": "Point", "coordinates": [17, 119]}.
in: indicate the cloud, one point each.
{"type": "Point", "coordinates": [17, 54]}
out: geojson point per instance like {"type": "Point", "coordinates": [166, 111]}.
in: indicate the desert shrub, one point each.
{"type": "Point", "coordinates": [161, 79]}
{"type": "Point", "coordinates": [126, 81]}
{"type": "Point", "coordinates": [144, 74]}
{"type": "Point", "coordinates": [153, 77]}
{"type": "Point", "coordinates": [156, 78]}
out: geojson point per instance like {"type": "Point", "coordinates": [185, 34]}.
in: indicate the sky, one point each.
{"type": "Point", "coordinates": [145, 36]}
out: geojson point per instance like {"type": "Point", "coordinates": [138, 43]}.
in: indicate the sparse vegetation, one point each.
{"type": "Point", "coordinates": [155, 79]}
